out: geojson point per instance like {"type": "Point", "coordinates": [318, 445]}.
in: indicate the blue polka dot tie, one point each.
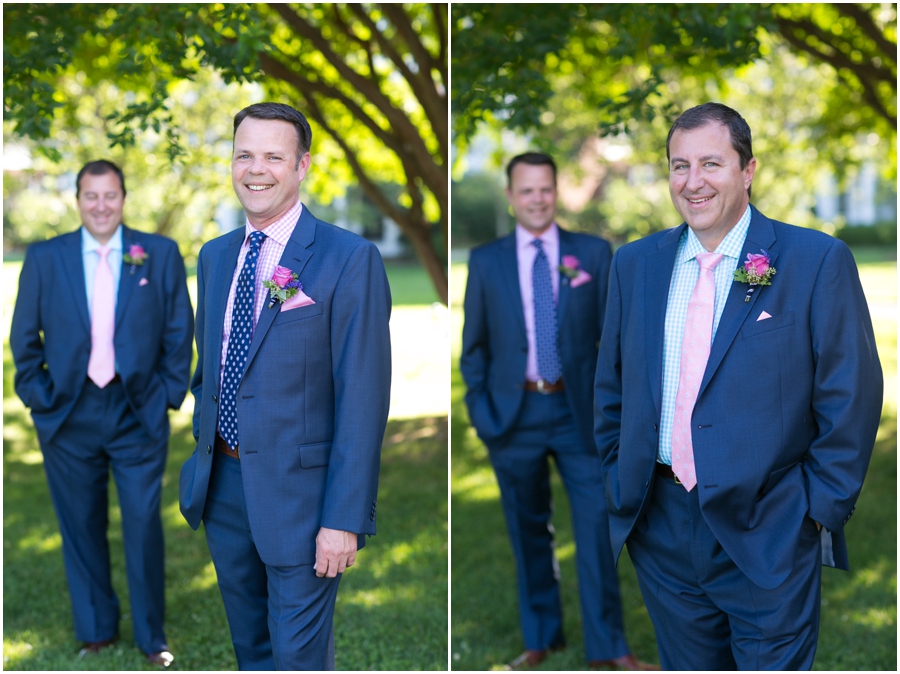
{"type": "Point", "coordinates": [545, 327]}
{"type": "Point", "coordinates": [239, 342]}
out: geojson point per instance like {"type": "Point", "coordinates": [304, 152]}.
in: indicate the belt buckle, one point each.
{"type": "Point", "coordinates": [540, 387]}
{"type": "Point", "coordinates": [675, 477]}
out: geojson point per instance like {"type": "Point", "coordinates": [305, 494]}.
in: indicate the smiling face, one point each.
{"type": "Point", "coordinates": [532, 195]}
{"type": "Point", "coordinates": [264, 169]}
{"type": "Point", "coordinates": [100, 203]}
{"type": "Point", "coordinates": [706, 181]}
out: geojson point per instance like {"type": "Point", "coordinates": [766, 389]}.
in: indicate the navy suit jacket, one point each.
{"type": "Point", "coordinates": [313, 402]}
{"type": "Point", "coordinates": [51, 331]}
{"type": "Point", "coordinates": [495, 346]}
{"type": "Point", "coordinates": [788, 409]}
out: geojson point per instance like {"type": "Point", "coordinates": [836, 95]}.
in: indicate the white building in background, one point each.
{"type": "Point", "coordinates": [389, 243]}
{"type": "Point", "coordinates": [861, 203]}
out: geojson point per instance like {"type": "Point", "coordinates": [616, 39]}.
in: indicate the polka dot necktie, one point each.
{"type": "Point", "coordinates": [695, 345]}
{"type": "Point", "coordinates": [239, 342]}
{"type": "Point", "coordinates": [545, 326]}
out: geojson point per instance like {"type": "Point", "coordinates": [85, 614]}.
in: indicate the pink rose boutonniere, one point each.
{"type": "Point", "coordinates": [283, 285]}
{"type": "Point", "coordinates": [136, 256]}
{"type": "Point", "coordinates": [757, 271]}
{"type": "Point", "coordinates": [571, 269]}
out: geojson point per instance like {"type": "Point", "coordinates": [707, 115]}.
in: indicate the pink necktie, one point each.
{"type": "Point", "coordinates": [102, 365]}
{"type": "Point", "coordinates": [695, 345]}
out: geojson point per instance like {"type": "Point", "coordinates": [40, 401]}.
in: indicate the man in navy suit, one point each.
{"type": "Point", "coordinates": [533, 317]}
{"type": "Point", "coordinates": [731, 498]}
{"type": "Point", "coordinates": [292, 390]}
{"type": "Point", "coordinates": [99, 396]}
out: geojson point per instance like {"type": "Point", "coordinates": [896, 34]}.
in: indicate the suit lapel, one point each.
{"type": "Point", "coordinates": [127, 280]}
{"type": "Point", "coordinates": [566, 247]}
{"type": "Point", "coordinates": [508, 278]}
{"type": "Point", "coordinates": [760, 235]}
{"type": "Point", "coordinates": [217, 289]}
{"type": "Point", "coordinates": [658, 278]}
{"type": "Point", "coordinates": [295, 256]}
{"type": "Point", "coordinates": [73, 264]}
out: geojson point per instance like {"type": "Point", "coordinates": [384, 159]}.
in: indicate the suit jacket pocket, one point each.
{"type": "Point", "coordinates": [776, 476]}
{"type": "Point", "coordinates": [315, 455]}
{"type": "Point", "coordinates": [767, 325]}
{"type": "Point", "coordinates": [299, 314]}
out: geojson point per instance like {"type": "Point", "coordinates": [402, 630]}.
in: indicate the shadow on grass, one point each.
{"type": "Point", "coordinates": [392, 606]}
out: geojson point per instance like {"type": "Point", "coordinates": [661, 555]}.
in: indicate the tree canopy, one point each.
{"type": "Point", "coordinates": [372, 78]}
{"type": "Point", "coordinates": [599, 85]}
{"type": "Point", "coordinates": [624, 58]}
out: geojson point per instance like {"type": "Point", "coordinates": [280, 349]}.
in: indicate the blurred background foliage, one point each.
{"type": "Point", "coordinates": [598, 86]}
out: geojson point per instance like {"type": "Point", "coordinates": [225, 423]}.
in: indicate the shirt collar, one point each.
{"type": "Point", "coordinates": [281, 229]}
{"type": "Point", "coordinates": [524, 238]}
{"type": "Point", "coordinates": [89, 244]}
{"type": "Point", "coordinates": [730, 246]}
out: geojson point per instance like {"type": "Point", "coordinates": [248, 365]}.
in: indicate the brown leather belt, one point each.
{"type": "Point", "coordinates": [222, 448]}
{"type": "Point", "coordinates": [664, 470]}
{"type": "Point", "coordinates": [542, 386]}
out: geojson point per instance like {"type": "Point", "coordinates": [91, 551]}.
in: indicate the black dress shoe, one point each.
{"type": "Point", "coordinates": [94, 647]}
{"type": "Point", "coordinates": [162, 659]}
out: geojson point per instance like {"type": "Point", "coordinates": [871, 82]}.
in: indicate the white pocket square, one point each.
{"type": "Point", "coordinates": [763, 316]}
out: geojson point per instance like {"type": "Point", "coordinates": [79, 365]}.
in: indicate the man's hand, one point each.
{"type": "Point", "coordinates": [335, 551]}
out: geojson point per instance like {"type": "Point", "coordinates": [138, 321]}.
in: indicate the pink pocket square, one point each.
{"type": "Point", "coordinates": [763, 316]}
{"type": "Point", "coordinates": [143, 282]}
{"type": "Point", "coordinates": [582, 278]}
{"type": "Point", "coordinates": [301, 299]}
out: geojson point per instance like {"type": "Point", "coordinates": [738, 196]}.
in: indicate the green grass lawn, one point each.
{"type": "Point", "coordinates": [391, 612]}
{"type": "Point", "coordinates": [858, 628]}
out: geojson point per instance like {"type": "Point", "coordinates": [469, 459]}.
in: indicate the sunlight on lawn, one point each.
{"type": "Point", "coordinates": [477, 485]}
{"type": "Point", "coordinates": [205, 580]}
{"type": "Point", "coordinates": [388, 594]}
{"type": "Point", "coordinates": [420, 379]}
{"type": "Point", "coordinates": [39, 542]}
{"type": "Point", "coordinates": [15, 649]}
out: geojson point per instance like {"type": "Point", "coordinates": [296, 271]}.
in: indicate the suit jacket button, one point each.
{"type": "Point", "coordinates": [208, 449]}
{"type": "Point", "coordinates": [215, 399]}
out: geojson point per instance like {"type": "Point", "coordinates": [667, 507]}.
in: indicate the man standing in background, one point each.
{"type": "Point", "coordinates": [101, 339]}
{"type": "Point", "coordinates": [534, 309]}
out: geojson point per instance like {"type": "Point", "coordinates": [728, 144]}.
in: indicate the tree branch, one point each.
{"type": "Point", "coordinates": [839, 62]}
{"type": "Point", "coordinates": [409, 135]}
{"type": "Point", "coordinates": [864, 20]}
{"type": "Point", "coordinates": [421, 83]}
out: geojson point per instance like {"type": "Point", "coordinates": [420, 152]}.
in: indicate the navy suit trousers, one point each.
{"type": "Point", "coordinates": [546, 428]}
{"type": "Point", "coordinates": [102, 432]}
{"type": "Point", "coordinates": [280, 617]}
{"type": "Point", "coordinates": [708, 615]}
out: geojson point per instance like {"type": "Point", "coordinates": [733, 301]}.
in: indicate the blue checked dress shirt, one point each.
{"type": "Point", "coordinates": [684, 278]}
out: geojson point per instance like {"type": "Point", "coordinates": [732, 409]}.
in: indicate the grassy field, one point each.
{"type": "Point", "coordinates": [859, 609]}
{"type": "Point", "coordinates": [392, 607]}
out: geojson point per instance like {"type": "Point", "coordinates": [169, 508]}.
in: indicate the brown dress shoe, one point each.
{"type": "Point", "coordinates": [163, 658]}
{"type": "Point", "coordinates": [532, 658]}
{"type": "Point", "coordinates": [94, 647]}
{"type": "Point", "coordinates": [627, 663]}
